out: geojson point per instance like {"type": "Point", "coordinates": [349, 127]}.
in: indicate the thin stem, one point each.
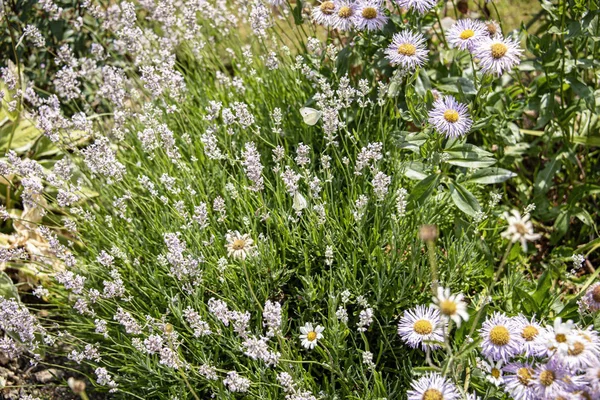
{"type": "Point", "coordinates": [250, 286]}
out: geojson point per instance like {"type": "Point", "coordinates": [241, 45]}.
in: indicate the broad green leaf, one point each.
{"type": "Point", "coordinates": [7, 288]}
{"type": "Point", "coordinates": [543, 180]}
{"type": "Point", "coordinates": [464, 200]}
{"type": "Point", "coordinates": [543, 287]}
{"type": "Point", "coordinates": [489, 176]}
{"type": "Point", "coordinates": [423, 189]}
{"type": "Point", "coordinates": [415, 170]}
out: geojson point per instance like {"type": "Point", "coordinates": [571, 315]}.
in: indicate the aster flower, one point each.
{"type": "Point", "coordinates": [501, 339]}
{"type": "Point", "coordinates": [450, 117]}
{"type": "Point", "coordinates": [551, 380]}
{"type": "Point", "coordinates": [592, 375]}
{"type": "Point", "coordinates": [520, 229]}
{"type": "Point", "coordinates": [420, 325]}
{"type": "Point", "coordinates": [433, 386]}
{"type": "Point", "coordinates": [369, 15]}
{"type": "Point", "coordinates": [451, 306]}
{"type": "Point", "coordinates": [465, 33]}
{"type": "Point", "coordinates": [494, 371]}
{"type": "Point", "coordinates": [497, 54]}
{"type": "Point", "coordinates": [343, 18]}
{"type": "Point", "coordinates": [583, 350]}
{"type": "Point", "coordinates": [518, 381]}
{"type": "Point", "coordinates": [310, 336]}
{"type": "Point", "coordinates": [407, 50]}
{"type": "Point", "coordinates": [531, 332]}
{"type": "Point", "coordinates": [558, 338]}
{"type": "Point", "coordinates": [421, 6]}
{"type": "Point", "coordinates": [323, 13]}
{"type": "Point", "coordinates": [591, 299]}
{"type": "Point", "coordinates": [239, 246]}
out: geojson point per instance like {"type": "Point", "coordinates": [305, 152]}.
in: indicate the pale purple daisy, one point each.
{"type": "Point", "coordinates": [497, 54]}
{"type": "Point", "coordinates": [551, 380]}
{"type": "Point", "coordinates": [407, 50]}
{"type": "Point", "coordinates": [465, 33]}
{"type": "Point", "coordinates": [531, 332]}
{"type": "Point", "coordinates": [343, 19]}
{"type": "Point", "coordinates": [592, 376]}
{"type": "Point", "coordinates": [583, 350]}
{"type": "Point", "coordinates": [591, 299]}
{"type": "Point", "coordinates": [559, 337]}
{"type": "Point", "coordinates": [501, 339]}
{"type": "Point", "coordinates": [422, 6]}
{"type": "Point", "coordinates": [450, 117]}
{"type": "Point", "coordinates": [369, 15]}
{"type": "Point", "coordinates": [420, 325]}
{"type": "Point", "coordinates": [433, 386]}
{"type": "Point", "coordinates": [324, 13]}
{"type": "Point", "coordinates": [518, 381]}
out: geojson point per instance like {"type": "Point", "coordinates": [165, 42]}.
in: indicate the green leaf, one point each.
{"type": "Point", "coordinates": [543, 180]}
{"type": "Point", "coordinates": [297, 13]}
{"type": "Point", "coordinates": [543, 288]}
{"type": "Point", "coordinates": [489, 176]}
{"type": "Point", "coordinates": [464, 199]}
{"type": "Point", "coordinates": [423, 189]}
{"type": "Point", "coordinates": [415, 170]}
{"type": "Point", "coordinates": [7, 288]}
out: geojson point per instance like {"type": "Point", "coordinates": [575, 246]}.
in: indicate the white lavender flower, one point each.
{"type": "Point", "coordinates": [450, 117]}
{"type": "Point", "coordinates": [497, 54]}
{"type": "Point", "coordinates": [420, 326]}
{"type": "Point", "coordinates": [236, 383]}
{"type": "Point", "coordinates": [433, 386]}
{"type": "Point", "coordinates": [465, 33]}
{"type": "Point", "coordinates": [408, 50]}
{"type": "Point", "coordinates": [421, 6]}
{"type": "Point", "coordinates": [369, 15]}
{"type": "Point", "coordinates": [501, 339]}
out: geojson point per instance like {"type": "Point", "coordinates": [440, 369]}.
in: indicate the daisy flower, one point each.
{"type": "Point", "coordinates": [501, 339]}
{"type": "Point", "coordinates": [465, 33]}
{"type": "Point", "coordinates": [310, 336]}
{"type": "Point", "coordinates": [450, 305]}
{"type": "Point", "coordinates": [407, 50]}
{"type": "Point", "coordinates": [369, 15]}
{"type": "Point", "coordinates": [583, 350]}
{"type": "Point", "coordinates": [422, 6]}
{"type": "Point", "coordinates": [497, 54]}
{"type": "Point", "coordinates": [450, 117]}
{"type": "Point", "coordinates": [239, 246]}
{"type": "Point", "coordinates": [343, 17]}
{"type": "Point", "coordinates": [591, 299]}
{"type": "Point", "coordinates": [520, 229]}
{"type": "Point", "coordinates": [323, 13]}
{"type": "Point", "coordinates": [592, 375]}
{"type": "Point", "coordinates": [531, 332]}
{"type": "Point", "coordinates": [559, 337]}
{"type": "Point", "coordinates": [420, 325]}
{"type": "Point", "coordinates": [433, 386]}
{"type": "Point", "coordinates": [518, 382]}
{"type": "Point", "coordinates": [551, 380]}
{"type": "Point", "coordinates": [494, 372]}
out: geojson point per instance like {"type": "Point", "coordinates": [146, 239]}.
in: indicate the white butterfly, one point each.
{"type": "Point", "coordinates": [310, 115]}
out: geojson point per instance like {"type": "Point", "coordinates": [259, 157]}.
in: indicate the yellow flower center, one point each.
{"type": "Point", "coordinates": [311, 336]}
{"type": "Point", "coordinates": [529, 333]}
{"type": "Point", "coordinates": [407, 49]}
{"type": "Point", "coordinates": [467, 34]}
{"type": "Point", "coordinates": [345, 12]}
{"type": "Point", "coordinates": [499, 335]}
{"type": "Point", "coordinates": [577, 349]}
{"type": "Point", "coordinates": [451, 116]}
{"type": "Point", "coordinates": [432, 394]}
{"type": "Point", "coordinates": [524, 375]}
{"type": "Point", "coordinates": [369, 13]}
{"type": "Point", "coordinates": [499, 50]}
{"type": "Point", "coordinates": [547, 378]}
{"type": "Point", "coordinates": [560, 337]}
{"type": "Point", "coordinates": [448, 307]}
{"type": "Point", "coordinates": [596, 294]}
{"type": "Point", "coordinates": [423, 327]}
{"type": "Point", "coordinates": [327, 7]}
{"type": "Point", "coordinates": [495, 373]}
{"type": "Point", "coordinates": [238, 244]}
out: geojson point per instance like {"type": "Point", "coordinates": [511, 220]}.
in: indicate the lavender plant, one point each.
{"type": "Point", "coordinates": [247, 205]}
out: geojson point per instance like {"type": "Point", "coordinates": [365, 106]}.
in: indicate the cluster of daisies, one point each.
{"type": "Point", "coordinates": [408, 49]}
{"type": "Point", "coordinates": [527, 359]}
